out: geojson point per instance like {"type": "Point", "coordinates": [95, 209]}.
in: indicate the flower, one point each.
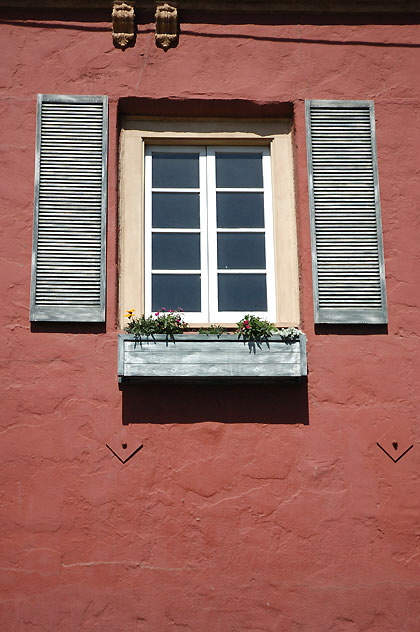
{"type": "Point", "coordinates": [169, 323]}
{"type": "Point", "coordinates": [255, 328]}
{"type": "Point", "coordinates": [129, 313]}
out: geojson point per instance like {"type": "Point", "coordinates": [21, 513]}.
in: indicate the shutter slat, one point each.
{"type": "Point", "coordinates": [68, 267]}
{"type": "Point", "coordinates": [348, 267]}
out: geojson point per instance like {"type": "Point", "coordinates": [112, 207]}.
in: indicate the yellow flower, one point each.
{"type": "Point", "coordinates": [129, 313]}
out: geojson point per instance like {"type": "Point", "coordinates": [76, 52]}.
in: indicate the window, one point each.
{"type": "Point", "coordinates": [207, 220]}
{"type": "Point", "coordinates": [239, 253]}
{"type": "Point", "coordinates": [208, 232]}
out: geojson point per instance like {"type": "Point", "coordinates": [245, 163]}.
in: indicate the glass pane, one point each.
{"type": "Point", "coordinates": [242, 293]}
{"type": "Point", "coordinates": [176, 210]}
{"type": "Point", "coordinates": [176, 251]}
{"type": "Point", "coordinates": [175, 170]}
{"type": "Point", "coordinates": [239, 170]}
{"type": "Point", "coordinates": [240, 210]}
{"type": "Point", "coordinates": [240, 250]}
{"type": "Point", "coordinates": [174, 291]}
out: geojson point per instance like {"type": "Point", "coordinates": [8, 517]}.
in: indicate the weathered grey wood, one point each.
{"type": "Point", "coordinates": [68, 259]}
{"type": "Point", "coordinates": [347, 249]}
{"type": "Point", "coordinates": [200, 357]}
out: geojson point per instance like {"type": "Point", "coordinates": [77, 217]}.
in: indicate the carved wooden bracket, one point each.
{"type": "Point", "coordinates": [123, 23]}
{"type": "Point", "coordinates": [166, 25]}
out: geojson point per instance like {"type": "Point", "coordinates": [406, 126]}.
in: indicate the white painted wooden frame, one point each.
{"type": "Point", "coordinates": [209, 232]}
{"type": "Point", "coordinates": [269, 271]}
{"type": "Point", "coordinates": [201, 316]}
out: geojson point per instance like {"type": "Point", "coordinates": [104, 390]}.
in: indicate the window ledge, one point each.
{"type": "Point", "coordinates": [209, 358]}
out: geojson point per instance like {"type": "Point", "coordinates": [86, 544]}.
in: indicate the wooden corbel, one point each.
{"type": "Point", "coordinates": [166, 16]}
{"type": "Point", "coordinates": [123, 23]}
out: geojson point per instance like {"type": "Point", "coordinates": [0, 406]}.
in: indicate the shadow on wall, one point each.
{"type": "Point", "coordinates": [237, 403]}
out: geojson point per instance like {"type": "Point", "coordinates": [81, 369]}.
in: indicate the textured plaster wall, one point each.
{"type": "Point", "coordinates": [252, 526]}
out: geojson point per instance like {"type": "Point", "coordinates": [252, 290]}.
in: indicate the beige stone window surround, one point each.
{"type": "Point", "coordinates": [138, 133]}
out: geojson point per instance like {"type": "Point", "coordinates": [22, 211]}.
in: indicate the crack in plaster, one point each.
{"type": "Point", "coordinates": [238, 497]}
{"type": "Point", "coordinates": [18, 426]}
{"type": "Point", "coordinates": [346, 587]}
{"type": "Point", "coordinates": [267, 478]}
{"type": "Point", "coordinates": [145, 56]}
{"type": "Point", "coordinates": [125, 563]}
{"type": "Point", "coordinates": [18, 570]}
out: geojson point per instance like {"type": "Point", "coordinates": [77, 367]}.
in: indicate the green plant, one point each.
{"type": "Point", "coordinates": [169, 322]}
{"type": "Point", "coordinates": [258, 329]}
{"type": "Point", "coordinates": [211, 329]}
{"type": "Point", "coordinates": [289, 334]}
{"type": "Point", "coordinates": [255, 328]}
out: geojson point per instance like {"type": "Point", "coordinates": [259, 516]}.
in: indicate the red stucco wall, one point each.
{"type": "Point", "coordinates": [289, 519]}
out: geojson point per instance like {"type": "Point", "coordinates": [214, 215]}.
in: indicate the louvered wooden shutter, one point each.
{"type": "Point", "coordinates": [68, 261]}
{"type": "Point", "coordinates": [347, 252]}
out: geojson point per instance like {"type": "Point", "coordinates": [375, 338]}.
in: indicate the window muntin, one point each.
{"type": "Point", "coordinates": [202, 253]}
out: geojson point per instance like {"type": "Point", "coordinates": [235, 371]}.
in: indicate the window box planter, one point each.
{"type": "Point", "coordinates": [209, 358]}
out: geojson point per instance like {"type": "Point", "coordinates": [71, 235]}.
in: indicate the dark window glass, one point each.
{"type": "Point", "coordinates": [242, 292]}
{"type": "Point", "coordinates": [173, 291]}
{"type": "Point", "coordinates": [240, 210]}
{"type": "Point", "coordinates": [239, 170]}
{"type": "Point", "coordinates": [175, 170]}
{"type": "Point", "coordinates": [240, 250]}
{"type": "Point", "coordinates": [176, 251]}
{"type": "Point", "coordinates": [176, 210]}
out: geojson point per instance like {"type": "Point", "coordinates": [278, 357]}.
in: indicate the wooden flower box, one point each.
{"type": "Point", "coordinates": [209, 358]}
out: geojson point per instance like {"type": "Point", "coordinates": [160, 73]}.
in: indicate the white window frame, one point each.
{"type": "Point", "coordinates": [209, 231]}
{"type": "Point", "coordinates": [234, 316]}
{"type": "Point", "coordinates": [272, 134]}
{"type": "Point", "coordinates": [201, 316]}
